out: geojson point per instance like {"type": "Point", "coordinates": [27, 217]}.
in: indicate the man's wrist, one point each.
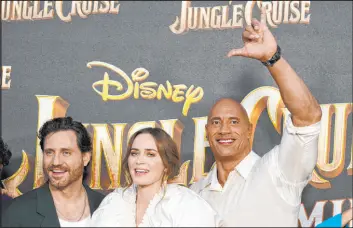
{"type": "Point", "coordinates": [270, 61]}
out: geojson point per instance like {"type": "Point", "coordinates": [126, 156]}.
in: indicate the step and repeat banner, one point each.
{"type": "Point", "coordinates": [119, 66]}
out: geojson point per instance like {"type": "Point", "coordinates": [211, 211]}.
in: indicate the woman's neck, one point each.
{"type": "Point", "coordinates": [143, 198]}
{"type": "Point", "coordinates": [146, 193]}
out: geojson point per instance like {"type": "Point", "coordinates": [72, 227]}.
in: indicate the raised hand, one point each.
{"type": "Point", "coordinates": [259, 43]}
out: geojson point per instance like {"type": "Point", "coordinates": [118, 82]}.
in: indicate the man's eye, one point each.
{"type": "Point", "coordinates": [48, 153]}
{"type": "Point", "coordinates": [66, 153]}
{"type": "Point", "coordinates": [234, 121]}
{"type": "Point", "coordinates": [215, 122]}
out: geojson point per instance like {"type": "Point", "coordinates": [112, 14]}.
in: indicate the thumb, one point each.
{"type": "Point", "coordinates": [237, 52]}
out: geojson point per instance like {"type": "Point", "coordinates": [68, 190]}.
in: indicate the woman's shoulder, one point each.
{"type": "Point", "coordinates": [118, 195]}
{"type": "Point", "coordinates": [114, 210]}
{"type": "Point", "coordinates": [189, 208]}
{"type": "Point", "coordinates": [179, 192]}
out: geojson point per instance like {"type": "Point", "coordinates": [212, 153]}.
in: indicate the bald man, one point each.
{"type": "Point", "coordinates": [248, 190]}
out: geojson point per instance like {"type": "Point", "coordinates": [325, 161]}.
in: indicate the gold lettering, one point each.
{"type": "Point", "coordinates": [87, 7]}
{"type": "Point", "coordinates": [286, 12]}
{"type": "Point", "coordinates": [193, 17]}
{"type": "Point", "coordinates": [95, 7]}
{"type": "Point", "coordinates": [147, 89]}
{"type": "Point", "coordinates": [215, 17]}
{"type": "Point", "coordinates": [205, 14]}
{"type": "Point", "coordinates": [225, 14]}
{"type": "Point", "coordinates": [248, 11]}
{"type": "Point", "coordinates": [6, 9]}
{"type": "Point", "coordinates": [200, 143]}
{"type": "Point", "coordinates": [140, 74]}
{"type": "Point", "coordinates": [166, 92]}
{"type": "Point", "coordinates": [183, 19]}
{"type": "Point", "coordinates": [114, 10]}
{"type": "Point", "coordinates": [277, 12]}
{"type": "Point", "coordinates": [36, 7]}
{"type": "Point", "coordinates": [257, 100]}
{"type": "Point", "coordinates": [305, 7]}
{"type": "Point", "coordinates": [112, 154]}
{"type": "Point", "coordinates": [106, 82]}
{"type": "Point", "coordinates": [147, 92]}
{"type": "Point", "coordinates": [137, 90]}
{"type": "Point", "coordinates": [192, 97]}
{"type": "Point", "coordinates": [318, 182]}
{"type": "Point", "coordinates": [46, 14]}
{"type": "Point", "coordinates": [334, 168]}
{"type": "Point", "coordinates": [178, 91]}
{"type": "Point", "coordinates": [77, 9]}
{"type": "Point", "coordinates": [237, 13]}
{"type": "Point", "coordinates": [295, 11]}
{"type": "Point", "coordinates": [17, 10]}
{"type": "Point", "coordinates": [105, 8]}
{"type": "Point", "coordinates": [268, 10]}
{"type": "Point", "coordinates": [27, 11]}
{"type": "Point", "coordinates": [59, 11]}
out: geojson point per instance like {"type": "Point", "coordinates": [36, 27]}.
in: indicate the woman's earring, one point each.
{"type": "Point", "coordinates": [165, 179]}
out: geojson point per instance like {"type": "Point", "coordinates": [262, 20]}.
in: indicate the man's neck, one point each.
{"type": "Point", "coordinates": [72, 192]}
{"type": "Point", "coordinates": [227, 165]}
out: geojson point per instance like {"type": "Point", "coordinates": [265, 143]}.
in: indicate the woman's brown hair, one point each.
{"type": "Point", "coordinates": [166, 147]}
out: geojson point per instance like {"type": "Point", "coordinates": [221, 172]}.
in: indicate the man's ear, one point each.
{"type": "Point", "coordinates": [86, 157]}
{"type": "Point", "coordinates": [250, 130]}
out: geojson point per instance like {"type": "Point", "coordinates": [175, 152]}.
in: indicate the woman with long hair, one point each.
{"type": "Point", "coordinates": [148, 199]}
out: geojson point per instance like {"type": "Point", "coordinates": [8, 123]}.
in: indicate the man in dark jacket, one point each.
{"type": "Point", "coordinates": [64, 201]}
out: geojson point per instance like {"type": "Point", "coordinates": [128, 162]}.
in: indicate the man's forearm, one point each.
{"type": "Point", "coordinates": [295, 94]}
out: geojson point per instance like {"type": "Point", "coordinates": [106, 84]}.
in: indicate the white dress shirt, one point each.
{"type": "Point", "coordinates": [178, 206]}
{"type": "Point", "coordinates": [83, 223]}
{"type": "Point", "coordinates": [266, 191]}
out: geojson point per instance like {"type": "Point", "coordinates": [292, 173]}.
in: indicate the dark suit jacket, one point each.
{"type": "Point", "coordinates": [5, 201]}
{"type": "Point", "coordinates": [36, 208]}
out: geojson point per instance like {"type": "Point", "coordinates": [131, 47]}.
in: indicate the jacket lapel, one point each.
{"type": "Point", "coordinates": [93, 200]}
{"type": "Point", "coordinates": [46, 208]}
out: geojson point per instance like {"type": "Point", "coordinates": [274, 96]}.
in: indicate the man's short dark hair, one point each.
{"type": "Point", "coordinates": [5, 153]}
{"type": "Point", "coordinates": [84, 141]}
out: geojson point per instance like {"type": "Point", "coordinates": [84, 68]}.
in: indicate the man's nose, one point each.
{"type": "Point", "coordinates": [56, 159]}
{"type": "Point", "coordinates": [225, 128]}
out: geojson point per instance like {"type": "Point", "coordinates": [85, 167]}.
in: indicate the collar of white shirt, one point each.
{"type": "Point", "coordinates": [243, 168]}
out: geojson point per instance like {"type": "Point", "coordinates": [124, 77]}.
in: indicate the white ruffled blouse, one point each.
{"type": "Point", "coordinates": [178, 207]}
